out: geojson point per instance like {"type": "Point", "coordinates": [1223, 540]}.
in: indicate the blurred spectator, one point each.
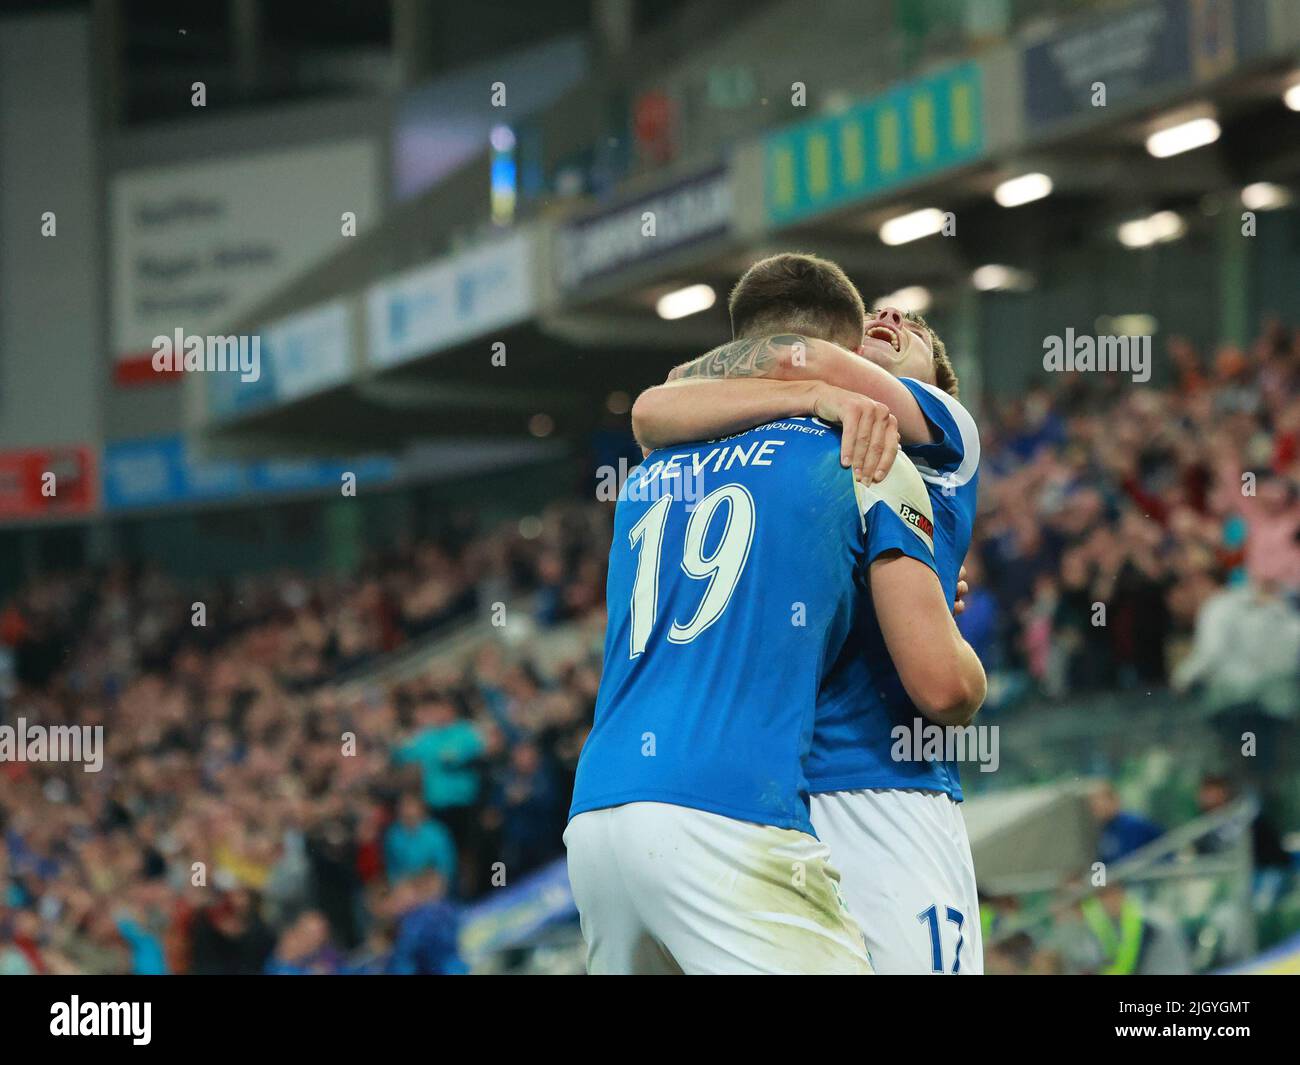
{"type": "Point", "coordinates": [147, 958]}
{"type": "Point", "coordinates": [304, 949]}
{"type": "Point", "coordinates": [1245, 654]}
{"type": "Point", "coordinates": [1130, 938]}
{"type": "Point", "coordinates": [445, 749]}
{"type": "Point", "coordinates": [1270, 509]}
{"type": "Point", "coordinates": [1215, 793]}
{"type": "Point", "coordinates": [1120, 832]}
{"type": "Point", "coordinates": [1007, 951]}
{"type": "Point", "coordinates": [427, 928]}
{"type": "Point", "coordinates": [415, 843]}
{"type": "Point", "coordinates": [532, 808]}
{"type": "Point", "coordinates": [979, 622]}
{"type": "Point", "coordinates": [230, 937]}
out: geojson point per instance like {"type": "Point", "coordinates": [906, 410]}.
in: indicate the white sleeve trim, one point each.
{"type": "Point", "coordinates": [902, 491]}
{"type": "Point", "coordinates": [970, 440]}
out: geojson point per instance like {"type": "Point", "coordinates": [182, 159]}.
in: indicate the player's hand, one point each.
{"type": "Point", "coordinates": [869, 438]}
{"type": "Point", "coordinates": [962, 589]}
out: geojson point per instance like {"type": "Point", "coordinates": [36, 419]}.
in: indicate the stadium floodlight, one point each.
{"type": "Point", "coordinates": [1292, 96]}
{"type": "Point", "coordinates": [503, 175]}
{"type": "Point", "coordinates": [1023, 189]}
{"type": "Point", "coordinates": [1264, 196]}
{"type": "Point", "coordinates": [1126, 325]}
{"type": "Point", "coordinates": [686, 301]}
{"type": "Point", "coordinates": [1154, 229]}
{"type": "Point", "coordinates": [1166, 225]}
{"type": "Point", "coordinates": [502, 138]}
{"type": "Point", "coordinates": [915, 298]}
{"type": "Point", "coordinates": [1135, 233]}
{"type": "Point", "coordinates": [905, 228]}
{"type": "Point", "coordinates": [994, 277]}
{"type": "Point", "coordinates": [1174, 140]}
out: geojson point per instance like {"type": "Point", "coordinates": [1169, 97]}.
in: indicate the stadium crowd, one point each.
{"type": "Point", "coordinates": [256, 815]}
{"type": "Point", "coordinates": [251, 817]}
{"type": "Point", "coordinates": [1134, 535]}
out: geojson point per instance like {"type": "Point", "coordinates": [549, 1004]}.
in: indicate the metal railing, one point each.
{"type": "Point", "coordinates": [1161, 869]}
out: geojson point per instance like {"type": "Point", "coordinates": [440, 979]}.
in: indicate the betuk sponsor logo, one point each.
{"type": "Point", "coordinates": [1101, 354]}
{"type": "Point", "coordinates": [923, 741]}
{"type": "Point", "coordinates": [208, 354]}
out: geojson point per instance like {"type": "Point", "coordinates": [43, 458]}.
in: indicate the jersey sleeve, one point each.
{"type": "Point", "coordinates": [897, 514]}
{"type": "Point", "coordinates": [955, 451]}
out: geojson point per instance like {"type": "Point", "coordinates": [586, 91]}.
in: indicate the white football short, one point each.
{"type": "Point", "coordinates": [907, 876]}
{"type": "Point", "coordinates": [670, 889]}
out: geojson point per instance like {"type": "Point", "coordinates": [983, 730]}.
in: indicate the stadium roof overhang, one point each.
{"type": "Point", "coordinates": [594, 329]}
{"type": "Point", "coordinates": [564, 359]}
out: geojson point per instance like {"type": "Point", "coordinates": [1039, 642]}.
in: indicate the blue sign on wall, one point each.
{"type": "Point", "coordinates": [1132, 50]}
{"type": "Point", "coordinates": [161, 471]}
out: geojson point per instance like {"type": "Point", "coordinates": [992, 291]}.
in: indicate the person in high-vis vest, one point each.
{"type": "Point", "coordinates": [1115, 919]}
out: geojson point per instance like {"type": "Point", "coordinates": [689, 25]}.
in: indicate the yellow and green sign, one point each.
{"type": "Point", "coordinates": [915, 129]}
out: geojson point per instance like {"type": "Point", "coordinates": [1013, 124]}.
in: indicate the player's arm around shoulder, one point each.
{"type": "Point", "coordinates": [734, 387]}
{"type": "Point", "coordinates": [705, 409]}
{"type": "Point", "coordinates": [796, 359]}
{"type": "Point", "coordinates": [676, 413]}
{"type": "Point", "coordinates": [940, 671]}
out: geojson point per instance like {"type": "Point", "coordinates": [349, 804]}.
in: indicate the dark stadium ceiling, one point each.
{"type": "Point", "coordinates": [567, 364]}
{"type": "Point", "coordinates": [253, 52]}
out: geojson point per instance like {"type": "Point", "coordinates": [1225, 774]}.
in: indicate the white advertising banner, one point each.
{"type": "Point", "coordinates": [197, 246]}
{"type": "Point", "coordinates": [451, 300]}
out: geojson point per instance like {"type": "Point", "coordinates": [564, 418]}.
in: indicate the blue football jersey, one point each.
{"type": "Point", "coordinates": [734, 572]}
{"type": "Point", "coordinates": [863, 699]}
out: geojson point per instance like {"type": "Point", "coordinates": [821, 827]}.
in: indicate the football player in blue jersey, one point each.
{"type": "Point", "coordinates": [739, 567]}
{"type": "Point", "coordinates": [890, 817]}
